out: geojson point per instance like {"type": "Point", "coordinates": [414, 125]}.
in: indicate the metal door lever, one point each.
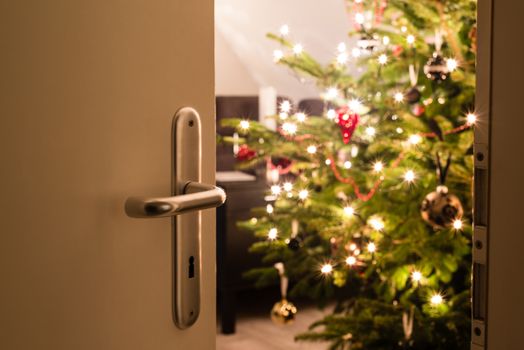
{"type": "Point", "coordinates": [196, 196]}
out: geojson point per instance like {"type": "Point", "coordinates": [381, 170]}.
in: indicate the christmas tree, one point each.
{"type": "Point", "coordinates": [372, 199]}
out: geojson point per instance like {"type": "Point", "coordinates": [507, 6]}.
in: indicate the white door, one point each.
{"type": "Point", "coordinates": [88, 91]}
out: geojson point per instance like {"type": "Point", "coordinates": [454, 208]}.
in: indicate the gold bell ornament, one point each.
{"type": "Point", "coordinates": [283, 312]}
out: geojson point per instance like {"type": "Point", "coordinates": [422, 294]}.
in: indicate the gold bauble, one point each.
{"type": "Point", "coordinates": [283, 312]}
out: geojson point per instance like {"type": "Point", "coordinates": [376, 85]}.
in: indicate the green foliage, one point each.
{"type": "Point", "coordinates": [374, 294]}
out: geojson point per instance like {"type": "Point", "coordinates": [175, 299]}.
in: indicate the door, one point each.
{"type": "Point", "coordinates": [498, 304]}
{"type": "Point", "coordinates": [88, 94]}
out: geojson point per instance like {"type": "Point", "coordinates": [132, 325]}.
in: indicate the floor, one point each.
{"type": "Point", "coordinates": [256, 331]}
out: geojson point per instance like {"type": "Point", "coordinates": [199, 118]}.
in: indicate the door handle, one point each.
{"type": "Point", "coordinates": [188, 197]}
{"type": "Point", "coordinates": [197, 196]}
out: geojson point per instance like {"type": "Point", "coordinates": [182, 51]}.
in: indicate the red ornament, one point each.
{"type": "Point", "coordinates": [245, 153]}
{"type": "Point", "coordinates": [418, 110]}
{"type": "Point", "coordinates": [348, 122]}
{"type": "Point", "coordinates": [397, 50]}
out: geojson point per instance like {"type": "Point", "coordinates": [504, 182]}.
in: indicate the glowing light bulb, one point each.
{"type": "Point", "coordinates": [399, 97]}
{"type": "Point", "coordinates": [359, 18]}
{"type": "Point", "coordinates": [355, 105]}
{"type": "Point", "coordinates": [383, 59]}
{"type": "Point", "coordinates": [415, 139]}
{"type": "Point", "coordinates": [410, 39]}
{"type": "Point", "coordinates": [372, 247]}
{"type": "Point", "coordinates": [312, 149]}
{"type": "Point", "coordinates": [409, 176]}
{"type": "Point", "coordinates": [288, 186]}
{"type": "Point", "coordinates": [349, 211]}
{"type": "Point", "coordinates": [331, 114]}
{"type": "Point", "coordinates": [297, 49]}
{"type": "Point", "coordinates": [436, 299]}
{"type": "Point", "coordinates": [331, 93]}
{"type": "Point", "coordinates": [458, 224]}
{"type": "Point", "coordinates": [289, 128]}
{"type": "Point", "coordinates": [270, 209]}
{"type": "Point", "coordinates": [342, 58]}
{"type": "Point", "coordinates": [352, 247]}
{"type": "Point", "coordinates": [452, 64]}
{"type": "Point", "coordinates": [471, 118]}
{"type": "Point", "coordinates": [378, 167]}
{"type": "Point", "coordinates": [285, 106]}
{"type": "Point", "coordinates": [351, 260]}
{"type": "Point", "coordinates": [272, 234]}
{"type": "Point", "coordinates": [377, 224]}
{"type": "Point", "coordinates": [328, 161]}
{"type": "Point", "coordinates": [303, 194]}
{"type": "Point", "coordinates": [341, 47]}
{"type": "Point", "coordinates": [284, 30]}
{"type": "Point", "coordinates": [371, 131]}
{"type": "Point", "coordinates": [386, 40]}
{"type": "Point", "coordinates": [399, 130]}
{"type": "Point", "coordinates": [348, 164]}
{"type": "Point", "coordinates": [416, 276]}
{"type": "Point", "coordinates": [278, 55]}
{"type": "Point", "coordinates": [326, 269]}
{"type": "Point", "coordinates": [403, 29]}
{"type": "Point", "coordinates": [301, 117]}
{"type": "Point", "coordinates": [355, 52]}
{"type": "Point", "coordinates": [275, 189]}
{"type": "Point", "coordinates": [244, 125]}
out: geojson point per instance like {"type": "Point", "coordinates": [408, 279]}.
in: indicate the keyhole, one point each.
{"type": "Point", "coordinates": [191, 267]}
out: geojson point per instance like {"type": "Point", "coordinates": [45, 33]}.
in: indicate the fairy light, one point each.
{"type": "Point", "coordinates": [328, 161]}
{"type": "Point", "coordinates": [303, 194]}
{"type": "Point", "coordinates": [272, 234]}
{"type": "Point", "coordinates": [452, 64]}
{"type": "Point", "coordinates": [331, 114]}
{"type": "Point", "coordinates": [331, 93]}
{"type": "Point", "coordinates": [342, 47]}
{"type": "Point", "coordinates": [409, 176]}
{"type": "Point", "coordinates": [386, 40]}
{"type": "Point", "coordinates": [371, 131]}
{"type": "Point", "coordinates": [403, 29]}
{"type": "Point", "coordinates": [347, 164]}
{"type": "Point", "coordinates": [289, 128]}
{"type": "Point", "coordinates": [377, 224]}
{"type": "Point", "coordinates": [283, 115]}
{"type": "Point", "coordinates": [355, 52]}
{"type": "Point", "coordinates": [342, 58]}
{"type": "Point", "coordinates": [355, 105]}
{"type": "Point", "coordinates": [298, 49]}
{"type": "Point", "coordinates": [352, 247]}
{"type": "Point", "coordinates": [441, 100]}
{"type": "Point", "coordinates": [383, 59]}
{"type": "Point", "coordinates": [415, 139]}
{"type": "Point", "coordinates": [349, 211]}
{"type": "Point", "coordinates": [410, 39]}
{"type": "Point", "coordinates": [276, 190]}
{"type": "Point", "coordinates": [416, 276]}
{"type": "Point", "coordinates": [326, 269]}
{"type": "Point", "coordinates": [359, 18]}
{"type": "Point", "coordinates": [458, 224]}
{"type": "Point", "coordinates": [471, 118]}
{"type": "Point", "coordinates": [312, 149]}
{"type": "Point", "coordinates": [351, 260]}
{"type": "Point", "coordinates": [301, 116]}
{"type": "Point", "coordinates": [372, 247]}
{"type": "Point", "coordinates": [354, 151]}
{"type": "Point", "coordinates": [399, 97]}
{"type": "Point", "coordinates": [288, 186]}
{"type": "Point", "coordinates": [285, 106]}
{"type": "Point", "coordinates": [284, 30]}
{"type": "Point", "coordinates": [244, 125]}
{"type": "Point", "coordinates": [270, 209]}
{"type": "Point", "coordinates": [278, 55]}
{"type": "Point", "coordinates": [399, 130]}
{"type": "Point", "coordinates": [378, 167]}
{"type": "Point", "coordinates": [436, 299]}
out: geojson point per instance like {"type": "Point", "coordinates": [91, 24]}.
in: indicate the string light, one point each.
{"type": "Point", "coordinates": [289, 128]}
{"type": "Point", "coordinates": [331, 114]}
{"type": "Point", "coordinates": [326, 269]}
{"type": "Point", "coordinates": [409, 176]}
{"type": "Point", "coordinates": [372, 247]}
{"type": "Point", "coordinates": [458, 224]}
{"type": "Point", "coordinates": [349, 211]}
{"type": "Point", "coordinates": [284, 30]}
{"type": "Point", "coordinates": [371, 131]}
{"type": "Point", "coordinates": [328, 162]}
{"type": "Point", "coordinates": [403, 29]}
{"type": "Point", "coordinates": [283, 115]}
{"type": "Point", "coordinates": [312, 149]}
{"type": "Point", "coordinates": [355, 52]}
{"type": "Point", "coordinates": [352, 247]}
{"type": "Point", "coordinates": [244, 124]}
{"type": "Point", "coordinates": [303, 194]}
{"type": "Point", "coordinates": [383, 59]}
{"type": "Point", "coordinates": [272, 234]}
{"type": "Point", "coordinates": [341, 47]}
{"type": "Point", "coordinates": [399, 97]}
{"type": "Point", "coordinates": [410, 39]}
{"type": "Point", "coordinates": [436, 299]}
{"type": "Point", "coordinates": [452, 64]}
{"type": "Point", "coordinates": [377, 224]}
{"type": "Point", "coordinates": [288, 186]}
{"type": "Point", "coordinates": [359, 18]}
{"type": "Point", "coordinates": [471, 118]}
{"type": "Point", "coordinates": [297, 49]}
{"type": "Point", "coordinates": [331, 93]}
{"type": "Point", "coordinates": [285, 106]}
{"type": "Point", "coordinates": [270, 209]}
{"type": "Point", "coordinates": [415, 139]}
{"type": "Point", "coordinates": [275, 189]}
{"type": "Point", "coordinates": [301, 117]}
{"type": "Point", "coordinates": [416, 276]}
{"type": "Point", "coordinates": [351, 260]}
{"type": "Point", "coordinates": [386, 40]}
{"type": "Point", "coordinates": [355, 105]}
{"type": "Point", "coordinates": [378, 167]}
{"type": "Point", "coordinates": [348, 164]}
{"type": "Point", "coordinates": [278, 55]}
{"type": "Point", "coordinates": [342, 58]}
